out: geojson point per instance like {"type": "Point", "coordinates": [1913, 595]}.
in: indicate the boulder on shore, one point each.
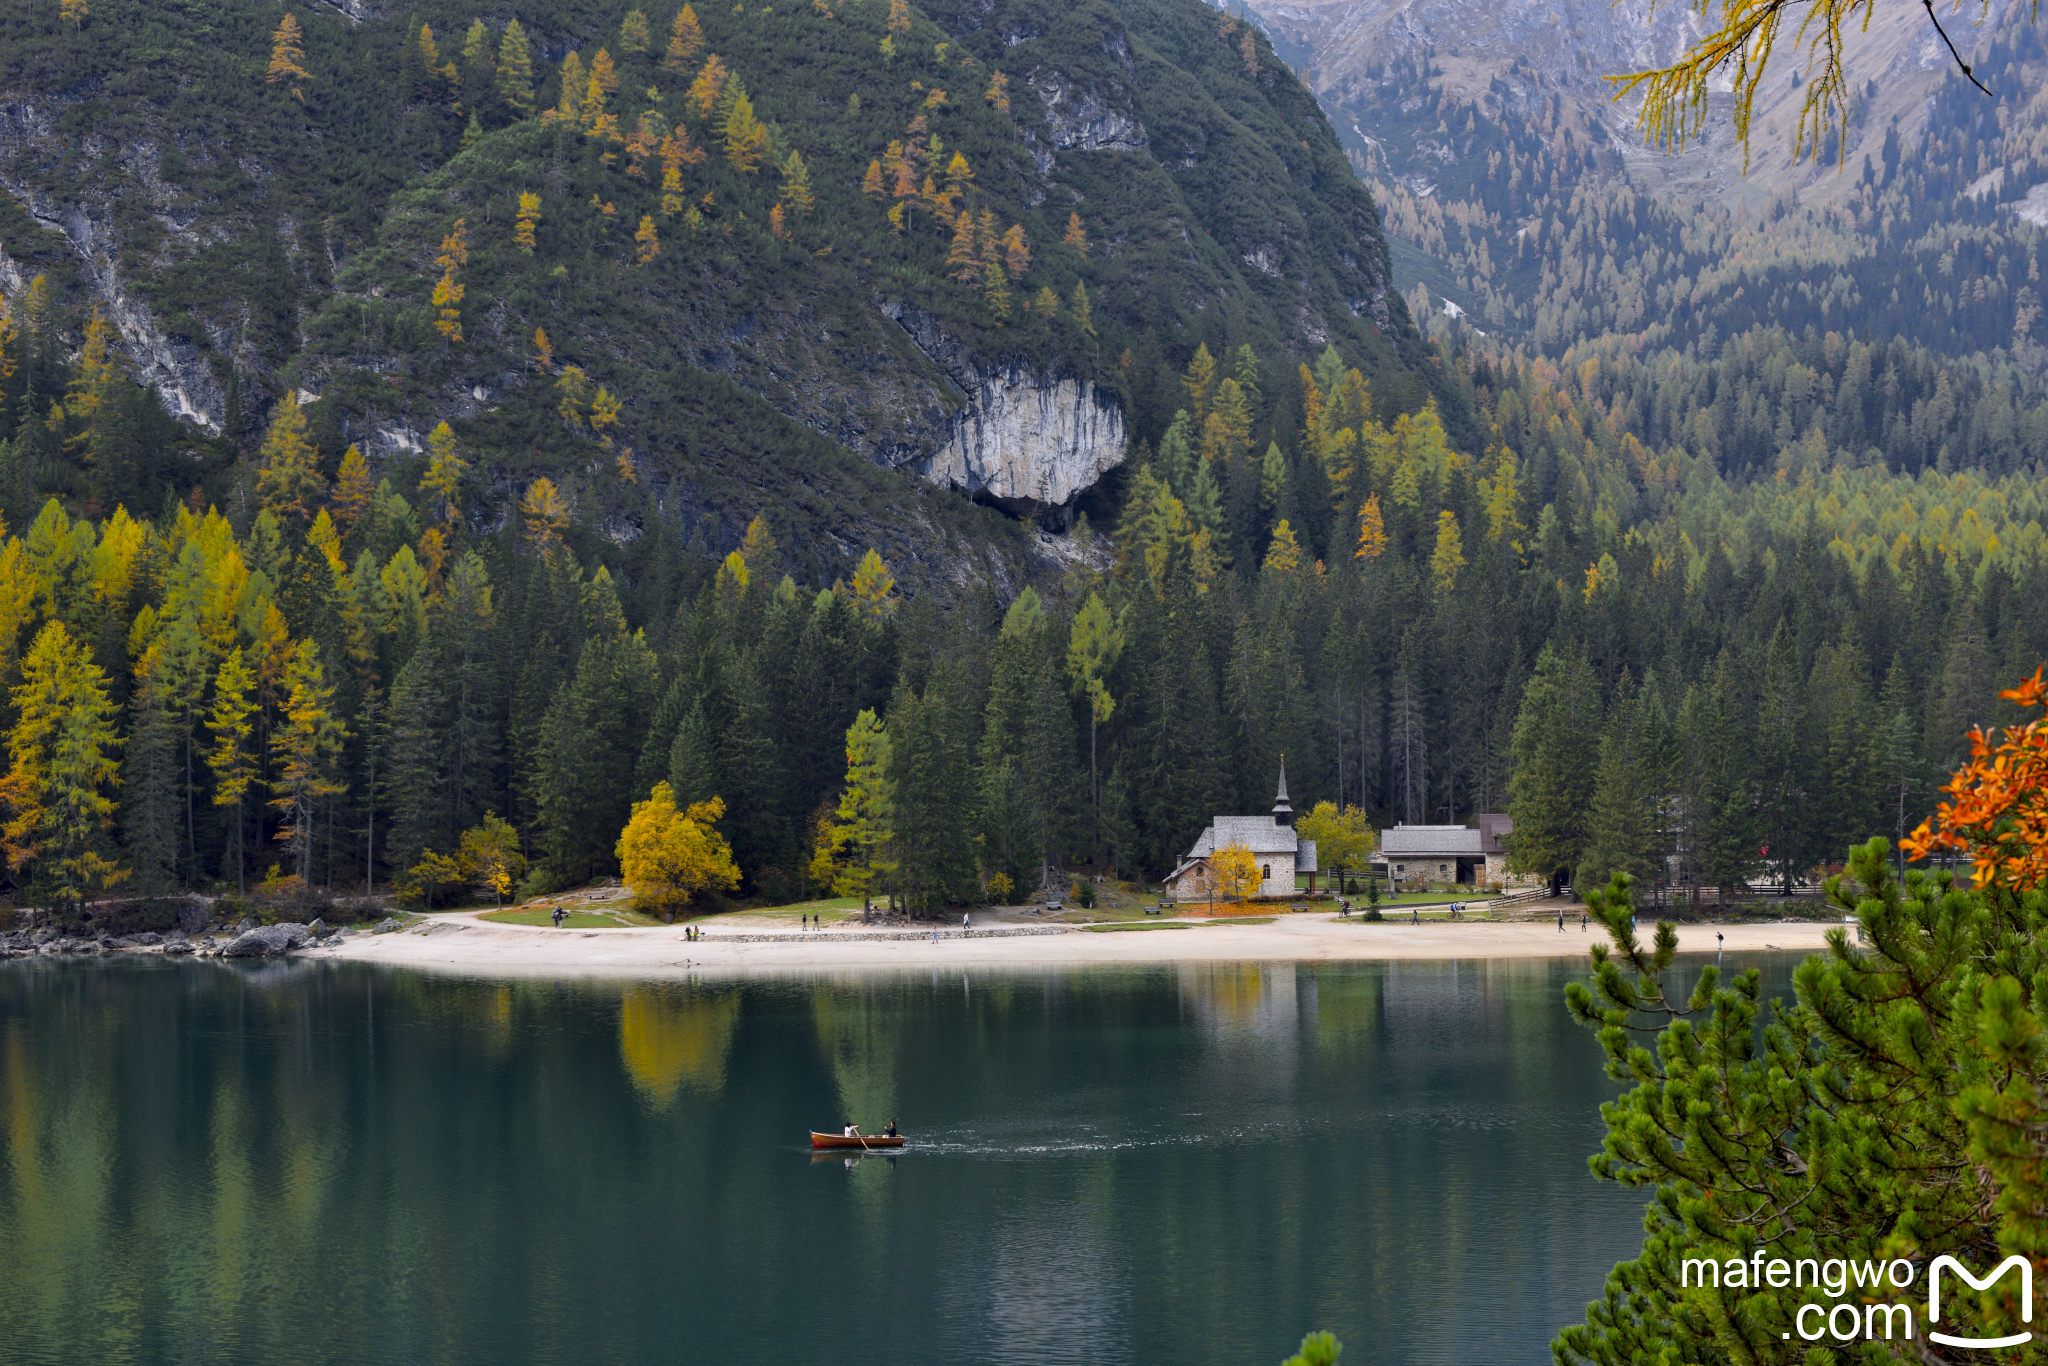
{"type": "Point", "coordinates": [268, 941]}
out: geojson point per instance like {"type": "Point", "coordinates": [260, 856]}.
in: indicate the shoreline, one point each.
{"type": "Point", "coordinates": [461, 943]}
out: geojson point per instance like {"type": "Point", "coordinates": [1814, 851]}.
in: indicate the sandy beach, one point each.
{"type": "Point", "coordinates": [460, 942]}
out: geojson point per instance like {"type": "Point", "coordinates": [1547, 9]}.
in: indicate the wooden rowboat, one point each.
{"type": "Point", "coordinates": [864, 1141]}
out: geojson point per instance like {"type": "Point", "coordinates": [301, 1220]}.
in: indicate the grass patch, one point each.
{"type": "Point", "coordinates": [574, 920]}
{"type": "Point", "coordinates": [579, 918]}
{"type": "Point", "coordinates": [1241, 920]}
{"type": "Point", "coordinates": [1136, 925]}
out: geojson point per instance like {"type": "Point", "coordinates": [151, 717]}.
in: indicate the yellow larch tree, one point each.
{"type": "Point", "coordinates": [543, 351]}
{"type": "Point", "coordinates": [605, 72]}
{"type": "Point", "coordinates": [232, 758]}
{"type": "Point", "coordinates": [304, 746]}
{"type": "Point", "coordinates": [61, 747]}
{"type": "Point", "coordinates": [685, 41]}
{"type": "Point", "coordinates": [670, 857]}
{"type": "Point", "coordinates": [871, 184]}
{"type": "Point", "coordinates": [777, 223]}
{"type": "Point", "coordinates": [288, 56]}
{"type": "Point", "coordinates": [1449, 556]}
{"type": "Point", "coordinates": [289, 479]}
{"type": "Point", "coordinates": [873, 585]}
{"type": "Point", "coordinates": [746, 137]}
{"type": "Point", "coordinates": [445, 468]}
{"type": "Point", "coordinates": [1076, 236]}
{"type": "Point", "coordinates": [1372, 530]}
{"type": "Point", "coordinates": [648, 242]}
{"type": "Point", "coordinates": [998, 92]}
{"type": "Point", "coordinates": [604, 410]}
{"type": "Point", "coordinates": [574, 80]}
{"type": "Point", "coordinates": [72, 12]}
{"type": "Point", "coordinates": [1016, 252]}
{"type": "Point", "coordinates": [448, 290]}
{"type": "Point", "coordinates": [796, 185]}
{"type": "Point", "coordinates": [633, 33]}
{"type": "Point", "coordinates": [527, 221]}
{"type": "Point", "coordinates": [515, 70]}
{"type": "Point", "coordinates": [545, 513]}
{"type": "Point", "coordinates": [352, 489]}
{"type": "Point", "coordinates": [703, 94]}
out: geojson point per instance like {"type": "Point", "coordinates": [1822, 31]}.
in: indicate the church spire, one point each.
{"type": "Point", "coordinates": [1283, 814]}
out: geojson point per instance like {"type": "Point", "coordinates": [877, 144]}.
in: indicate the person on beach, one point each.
{"type": "Point", "coordinates": [963, 920]}
{"type": "Point", "coordinates": [1414, 916]}
{"type": "Point", "coordinates": [1560, 922]}
{"type": "Point", "coordinates": [1582, 922]}
{"type": "Point", "coordinates": [557, 917]}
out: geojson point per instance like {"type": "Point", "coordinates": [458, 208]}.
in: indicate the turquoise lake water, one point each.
{"type": "Point", "coordinates": [335, 1163]}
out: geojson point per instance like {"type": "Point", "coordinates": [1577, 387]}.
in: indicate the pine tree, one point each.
{"type": "Point", "coordinates": [685, 41]}
{"type": "Point", "coordinates": [1783, 752]}
{"type": "Point", "coordinates": [414, 775]}
{"type": "Point", "coordinates": [515, 71]}
{"type": "Point", "coordinates": [633, 33]}
{"type": "Point", "coordinates": [150, 781]}
{"type": "Point", "coordinates": [1555, 742]}
{"type": "Point", "coordinates": [288, 57]}
{"type": "Point", "coordinates": [232, 759]}
{"type": "Point", "coordinates": [1626, 828]}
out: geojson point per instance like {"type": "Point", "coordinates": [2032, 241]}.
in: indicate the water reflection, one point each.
{"type": "Point", "coordinates": [328, 1163]}
{"type": "Point", "coordinates": [669, 1036]}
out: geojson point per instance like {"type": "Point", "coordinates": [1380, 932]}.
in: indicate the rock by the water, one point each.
{"type": "Point", "coordinates": [267, 941]}
{"type": "Point", "coordinates": [246, 926]}
{"type": "Point", "coordinates": [319, 929]}
{"type": "Point", "coordinates": [386, 925]}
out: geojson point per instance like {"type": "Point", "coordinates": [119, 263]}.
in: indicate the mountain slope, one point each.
{"type": "Point", "coordinates": [248, 241]}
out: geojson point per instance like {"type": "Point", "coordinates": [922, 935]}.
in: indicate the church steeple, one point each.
{"type": "Point", "coordinates": [1283, 814]}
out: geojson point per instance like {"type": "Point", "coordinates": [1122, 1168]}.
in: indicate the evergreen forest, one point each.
{"type": "Point", "coordinates": [540, 444]}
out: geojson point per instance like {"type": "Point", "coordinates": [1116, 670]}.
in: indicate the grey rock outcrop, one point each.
{"type": "Point", "coordinates": [268, 941]}
{"type": "Point", "coordinates": [1028, 440]}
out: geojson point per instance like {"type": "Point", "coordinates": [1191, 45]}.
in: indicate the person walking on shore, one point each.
{"type": "Point", "coordinates": [1560, 922]}
{"type": "Point", "coordinates": [557, 917]}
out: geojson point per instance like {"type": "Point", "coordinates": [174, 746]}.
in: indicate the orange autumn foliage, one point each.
{"type": "Point", "coordinates": [1997, 812]}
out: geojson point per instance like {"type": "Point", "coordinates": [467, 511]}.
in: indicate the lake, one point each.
{"type": "Point", "coordinates": [336, 1163]}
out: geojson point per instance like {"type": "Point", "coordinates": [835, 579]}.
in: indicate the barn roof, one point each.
{"type": "Point", "coordinates": [1431, 841]}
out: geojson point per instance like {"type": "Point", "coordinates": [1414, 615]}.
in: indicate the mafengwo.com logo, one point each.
{"type": "Point", "coordinates": [1854, 1285]}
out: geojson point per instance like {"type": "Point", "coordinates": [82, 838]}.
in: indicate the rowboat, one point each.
{"type": "Point", "coordinates": [864, 1141]}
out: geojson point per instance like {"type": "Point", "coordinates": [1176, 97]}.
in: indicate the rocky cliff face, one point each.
{"type": "Point", "coordinates": [1027, 438]}
{"type": "Point", "coordinates": [1030, 442]}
